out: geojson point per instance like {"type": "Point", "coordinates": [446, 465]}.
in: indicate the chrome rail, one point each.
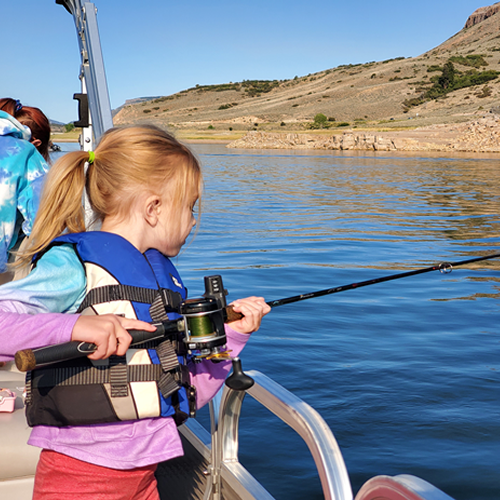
{"type": "Point", "coordinates": [294, 412]}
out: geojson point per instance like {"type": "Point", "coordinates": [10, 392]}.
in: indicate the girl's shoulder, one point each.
{"type": "Point", "coordinates": [61, 256]}
{"type": "Point", "coordinates": [56, 284]}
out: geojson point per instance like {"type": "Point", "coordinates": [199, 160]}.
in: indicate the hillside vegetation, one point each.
{"type": "Point", "coordinates": [452, 83]}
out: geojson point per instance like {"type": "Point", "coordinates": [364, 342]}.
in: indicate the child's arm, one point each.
{"type": "Point", "coordinates": [108, 332]}
{"type": "Point", "coordinates": [29, 331]}
{"type": "Point", "coordinates": [57, 284]}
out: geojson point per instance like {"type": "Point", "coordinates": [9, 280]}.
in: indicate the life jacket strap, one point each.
{"type": "Point", "coordinates": [167, 356]}
{"type": "Point", "coordinates": [168, 383]}
{"type": "Point", "coordinates": [166, 300]}
{"type": "Point", "coordinates": [111, 293]}
{"type": "Point", "coordinates": [28, 399]}
{"type": "Point", "coordinates": [118, 376]}
{"type": "Point", "coordinates": [84, 375]}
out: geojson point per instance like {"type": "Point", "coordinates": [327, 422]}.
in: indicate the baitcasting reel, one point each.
{"type": "Point", "coordinates": [205, 337]}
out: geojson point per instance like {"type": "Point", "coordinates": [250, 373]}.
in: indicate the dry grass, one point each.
{"type": "Point", "coordinates": [368, 96]}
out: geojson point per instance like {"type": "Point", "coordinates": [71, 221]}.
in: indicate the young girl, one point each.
{"type": "Point", "coordinates": [142, 184]}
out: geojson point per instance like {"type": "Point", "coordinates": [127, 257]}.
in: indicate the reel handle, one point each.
{"type": "Point", "coordinates": [239, 380]}
{"type": "Point", "coordinates": [29, 359]}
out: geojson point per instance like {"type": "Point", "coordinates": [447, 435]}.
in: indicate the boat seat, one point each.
{"type": "Point", "coordinates": [17, 459]}
{"type": "Point", "coordinates": [402, 487]}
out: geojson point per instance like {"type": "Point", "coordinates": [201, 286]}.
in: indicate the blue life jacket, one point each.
{"type": "Point", "coordinates": [147, 382]}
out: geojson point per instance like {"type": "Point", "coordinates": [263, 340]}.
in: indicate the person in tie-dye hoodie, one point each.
{"type": "Point", "coordinates": [22, 169]}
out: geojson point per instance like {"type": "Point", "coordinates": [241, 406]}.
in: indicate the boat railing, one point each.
{"type": "Point", "coordinates": [297, 414]}
{"type": "Point", "coordinates": [226, 474]}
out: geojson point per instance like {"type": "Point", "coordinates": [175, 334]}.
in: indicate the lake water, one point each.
{"type": "Point", "coordinates": [406, 373]}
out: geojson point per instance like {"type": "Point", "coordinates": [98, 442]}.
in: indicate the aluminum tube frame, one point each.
{"type": "Point", "coordinates": [294, 412]}
{"type": "Point", "coordinates": [92, 66]}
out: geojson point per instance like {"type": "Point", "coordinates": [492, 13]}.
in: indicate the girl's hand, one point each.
{"type": "Point", "coordinates": [108, 332]}
{"type": "Point", "coordinates": [253, 310]}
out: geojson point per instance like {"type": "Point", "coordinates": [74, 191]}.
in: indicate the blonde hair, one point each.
{"type": "Point", "coordinates": [129, 161]}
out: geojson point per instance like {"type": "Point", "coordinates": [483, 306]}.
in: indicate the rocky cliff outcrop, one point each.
{"type": "Point", "coordinates": [479, 136]}
{"type": "Point", "coordinates": [481, 14]}
{"type": "Point", "coordinates": [345, 141]}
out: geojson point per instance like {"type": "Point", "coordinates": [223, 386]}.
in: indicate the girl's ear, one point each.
{"type": "Point", "coordinates": [36, 142]}
{"type": "Point", "coordinates": [152, 208]}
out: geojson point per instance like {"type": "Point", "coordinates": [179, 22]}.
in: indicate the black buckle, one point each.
{"type": "Point", "coordinates": [191, 395]}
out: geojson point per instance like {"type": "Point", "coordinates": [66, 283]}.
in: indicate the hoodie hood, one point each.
{"type": "Point", "coordinates": [10, 126]}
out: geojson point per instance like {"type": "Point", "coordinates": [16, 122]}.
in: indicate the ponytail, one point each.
{"type": "Point", "coordinates": [128, 162]}
{"type": "Point", "coordinates": [61, 206]}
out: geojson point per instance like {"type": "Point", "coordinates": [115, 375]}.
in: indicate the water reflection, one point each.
{"type": "Point", "coordinates": [346, 201]}
{"type": "Point", "coordinates": [406, 373]}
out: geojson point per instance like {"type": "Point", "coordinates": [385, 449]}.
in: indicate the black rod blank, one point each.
{"type": "Point", "coordinates": [445, 267]}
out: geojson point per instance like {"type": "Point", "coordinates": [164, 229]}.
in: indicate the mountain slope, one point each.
{"type": "Point", "coordinates": [368, 93]}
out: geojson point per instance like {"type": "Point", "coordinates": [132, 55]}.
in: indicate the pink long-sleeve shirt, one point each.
{"type": "Point", "coordinates": [122, 445]}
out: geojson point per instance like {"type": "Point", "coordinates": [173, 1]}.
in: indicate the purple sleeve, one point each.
{"type": "Point", "coordinates": [208, 377]}
{"type": "Point", "coordinates": [29, 331]}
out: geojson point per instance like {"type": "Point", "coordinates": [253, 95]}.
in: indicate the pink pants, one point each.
{"type": "Point", "coordinates": [59, 477]}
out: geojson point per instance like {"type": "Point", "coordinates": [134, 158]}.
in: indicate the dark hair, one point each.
{"type": "Point", "coordinates": [33, 118]}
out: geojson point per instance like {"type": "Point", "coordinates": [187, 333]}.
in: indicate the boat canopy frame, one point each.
{"type": "Point", "coordinates": [92, 74]}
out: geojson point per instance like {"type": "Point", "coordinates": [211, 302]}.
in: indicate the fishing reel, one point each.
{"type": "Point", "coordinates": [205, 336]}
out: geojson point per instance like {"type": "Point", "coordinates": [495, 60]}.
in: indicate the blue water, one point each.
{"type": "Point", "coordinates": [406, 373]}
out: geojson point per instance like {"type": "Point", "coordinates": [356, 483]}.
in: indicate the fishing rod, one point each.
{"type": "Point", "coordinates": [202, 325]}
{"type": "Point", "coordinates": [443, 267]}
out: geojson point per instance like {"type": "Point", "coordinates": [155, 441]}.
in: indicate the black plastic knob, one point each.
{"type": "Point", "coordinates": [238, 380]}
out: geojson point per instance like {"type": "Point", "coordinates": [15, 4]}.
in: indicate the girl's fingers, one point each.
{"type": "Point", "coordinates": [253, 310]}
{"type": "Point", "coordinates": [108, 332]}
{"type": "Point", "coordinates": [135, 324]}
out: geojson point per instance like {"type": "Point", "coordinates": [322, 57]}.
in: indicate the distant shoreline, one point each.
{"type": "Point", "coordinates": [71, 137]}
{"type": "Point", "coordinates": [481, 135]}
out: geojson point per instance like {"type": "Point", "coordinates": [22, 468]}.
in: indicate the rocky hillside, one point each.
{"type": "Point", "coordinates": [382, 93]}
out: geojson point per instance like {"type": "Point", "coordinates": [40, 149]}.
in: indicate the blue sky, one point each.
{"type": "Point", "coordinates": [159, 47]}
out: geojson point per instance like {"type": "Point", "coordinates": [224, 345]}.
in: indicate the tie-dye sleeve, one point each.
{"type": "Point", "coordinates": [30, 190]}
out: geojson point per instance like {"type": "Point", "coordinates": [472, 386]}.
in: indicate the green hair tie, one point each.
{"type": "Point", "coordinates": [91, 157]}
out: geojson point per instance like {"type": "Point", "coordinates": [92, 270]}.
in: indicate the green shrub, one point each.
{"type": "Point", "coordinates": [485, 92]}
{"type": "Point", "coordinates": [227, 106]}
{"type": "Point", "coordinates": [320, 118]}
{"type": "Point", "coordinates": [451, 79]}
{"type": "Point", "coordinates": [211, 127]}
{"type": "Point", "coordinates": [320, 121]}
{"type": "Point", "coordinates": [473, 60]}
